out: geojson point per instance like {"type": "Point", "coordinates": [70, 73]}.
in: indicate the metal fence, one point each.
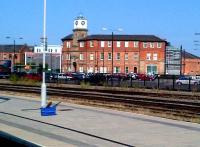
{"type": "Point", "coordinates": [158, 83]}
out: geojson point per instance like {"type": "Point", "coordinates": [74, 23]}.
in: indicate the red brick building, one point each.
{"type": "Point", "coordinates": [93, 53]}
{"type": "Point", "coordinates": [190, 64]}
{"type": "Point", "coordinates": [16, 54]}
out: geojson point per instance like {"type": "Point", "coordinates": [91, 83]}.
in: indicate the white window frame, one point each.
{"type": "Point", "coordinates": [102, 43]}
{"type": "Point", "coordinates": [81, 56]}
{"type": "Point", "coordinates": [82, 44]}
{"type": "Point", "coordinates": [159, 45]}
{"type": "Point", "coordinates": [91, 56]}
{"type": "Point", "coordinates": [67, 56]}
{"type": "Point", "coordinates": [109, 43]}
{"type": "Point", "coordinates": [126, 56]}
{"type": "Point", "coordinates": [135, 44]}
{"type": "Point", "coordinates": [145, 44]}
{"type": "Point", "coordinates": [155, 56]}
{"type": "Point", "coordinates": [90, 69]}
{"type": "Point", "coordinates": [91, 43]}
{"type": "Point", "coordinates": [68, 44]}
{"type": "Point", "coordinates": [109, 56]}
{"type": "Point", "coordinates": [81, 69]}
{"type": "Point", "coordinates": [135, 56]}
{"type": "Point", "coordinates": [118, 43]}
{"type": "Point", "coordinates": [126, 44]}
{"type": "Point", "coordinates": [118, 55]}
{"type": "Point", "coordinates": [126, 69]}
{"type": "Point", "coordinates": [101, 56]}
{"type": "Point", "coordinates": [151, 44]}
{"type": "Point", "coordinates": [69, 68]}
{"type": "Point", "coordinates": [115, 69]}
{"type": "Point", "coordinates": [148, 56]}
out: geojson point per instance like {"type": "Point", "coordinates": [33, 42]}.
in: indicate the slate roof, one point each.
{"type": "Point", "coordinates": [188, 55]}
{"type": "Point", "coordinates": [68, 37]}
{"type": "Point", "coordinates": [144, 38]}
{"type": "Point", "coordinates": [10, 48]}
{"type": "Point", "coordinates": [147, 38]}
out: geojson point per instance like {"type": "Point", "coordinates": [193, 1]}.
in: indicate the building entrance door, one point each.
{"type": "Point", "coordinates": [135, 70]}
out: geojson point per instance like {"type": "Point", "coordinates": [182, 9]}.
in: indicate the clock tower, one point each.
{"type": "Point", "coordinates": [80, 31]}
{"type": "Point", "coordinates": [80, 23]}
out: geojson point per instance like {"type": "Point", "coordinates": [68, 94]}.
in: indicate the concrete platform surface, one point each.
{"type": "Point", "coordinates": [76, 125]}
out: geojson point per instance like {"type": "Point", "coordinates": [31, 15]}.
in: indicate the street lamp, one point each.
{"type": "Point", "coordinates": [43, 86]}
{"type": "Point", "coordinates": [196, 42]}
{"type": "Point", "coordinates": [112, 38]}
{"type": "Point", "coordinates": [13, 57]}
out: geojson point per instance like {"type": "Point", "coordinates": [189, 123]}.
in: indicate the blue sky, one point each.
{"type": "Point", "coordinates": [174, 20]}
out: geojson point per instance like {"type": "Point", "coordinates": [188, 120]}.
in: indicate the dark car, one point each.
{"type": "Point", "coordinates": [4, 75]}
{"type": "Point", "coordinates": [78, 76]}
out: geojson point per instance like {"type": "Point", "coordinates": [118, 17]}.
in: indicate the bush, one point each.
{"type": "Point", "coordinates": [85, 85]}
{"type": "Point", "coordinates": [14, 78]}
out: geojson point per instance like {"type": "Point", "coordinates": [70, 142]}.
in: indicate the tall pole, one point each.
{"type": "Point", "coordinates": [181, 60]}
{"type": "Point", "coordinates": [112, 56]}
{"type": "Point", "coordinates": [14, 57]}
{"type": "Point", "coordinates": [103, 60]}
{"type": "Point", "coordinates": [51, 62]}
{"type": "Point", "coordinates": [43, 87]}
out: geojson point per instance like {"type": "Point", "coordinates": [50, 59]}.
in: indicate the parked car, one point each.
{"type": "Point", "coordinates": [143, 77]}
{"type": "Point", "coordinates": [62, 76]}
{"type": "Point", "coordinates": [78, 76]}
{"type": "Point", "coordinates": [132, 75]}
{"type": "Point", "coordinates": [152, 76]}
{"type": "Point", "coordinates": [4, 75]}
{"type": "Point", "coordinates": [185, 80]}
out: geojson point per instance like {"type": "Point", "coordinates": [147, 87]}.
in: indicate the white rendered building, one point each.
{"type": "Point", "coordinates": [50, 49]}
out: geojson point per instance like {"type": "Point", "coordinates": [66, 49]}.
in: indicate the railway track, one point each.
{"type": "Point", "coordinates": [181, 106]}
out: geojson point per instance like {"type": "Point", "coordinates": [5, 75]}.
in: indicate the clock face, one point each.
{"type": "Point", "coordinates": [82, 22]}
{"type": "Point", "coordinates": [76, 22]}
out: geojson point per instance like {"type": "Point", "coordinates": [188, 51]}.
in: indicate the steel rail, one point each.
{"type": "Point", "coordinates": [191, 107]}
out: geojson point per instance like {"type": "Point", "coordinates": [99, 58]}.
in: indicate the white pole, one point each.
{"type": "Point", "coordinates": [43, 87]}
{"type": "Point", "coordinates": [60, 62]}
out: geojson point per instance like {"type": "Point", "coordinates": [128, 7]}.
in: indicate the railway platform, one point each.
{"type": "Point", "coordinates": [78, 125]}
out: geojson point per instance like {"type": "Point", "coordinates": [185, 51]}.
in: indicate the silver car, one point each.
{"type": "Point", "coordinates": [185, 80]}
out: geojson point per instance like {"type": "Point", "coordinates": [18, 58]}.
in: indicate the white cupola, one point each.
{"type": "Point", "coordinates": [80, 23]}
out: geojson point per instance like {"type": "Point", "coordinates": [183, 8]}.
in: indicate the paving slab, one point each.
{"type": "Point", "coordinates": [78, 125]}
